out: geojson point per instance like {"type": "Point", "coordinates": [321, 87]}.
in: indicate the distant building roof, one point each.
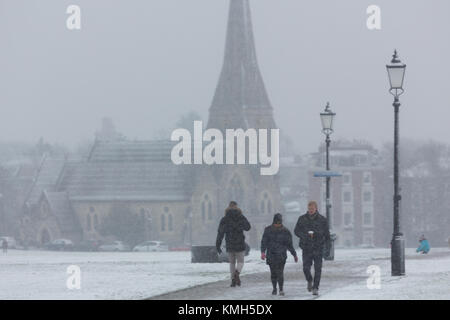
{"type": "Point", "coordinates": [60, 206]}
{"type": "Point", "coordinates": [46, 177]}
{"type": "Point", "coordinates": [127, 170]}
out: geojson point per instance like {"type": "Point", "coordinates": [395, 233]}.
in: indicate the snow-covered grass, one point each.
{"type": "Point", "coordinates": [427, 277]}
{"type": "Point", "coordinates": [134, 275]}
{"type": "Point", "coordinates": [104, 275]}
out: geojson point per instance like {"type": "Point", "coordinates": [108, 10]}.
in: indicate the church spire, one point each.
{"type": "Point", "coordinates": [240, 86]}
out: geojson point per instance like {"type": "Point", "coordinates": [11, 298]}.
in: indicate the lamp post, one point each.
{"type": "Point", "coordinates": [327, 118]}
{"type": "Point", "coordinates": [396, 72]}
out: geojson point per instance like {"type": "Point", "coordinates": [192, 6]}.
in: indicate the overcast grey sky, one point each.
{"type": "Point", "coordinates": [146, 62]}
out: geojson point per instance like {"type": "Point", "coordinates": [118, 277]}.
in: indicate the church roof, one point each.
{"type": "Point", "coordinates": [128, 171]}
{"type": "Point", "coordinates": [46, 177]}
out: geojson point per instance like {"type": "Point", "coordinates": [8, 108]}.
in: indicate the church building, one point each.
{"type": "Point", "coordinates": [180, 204]}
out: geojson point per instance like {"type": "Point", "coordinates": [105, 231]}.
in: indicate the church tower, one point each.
{"type": "Point", "coordinates": [240, 100]}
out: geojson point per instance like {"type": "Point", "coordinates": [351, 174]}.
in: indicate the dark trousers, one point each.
{"type": "Point", "coordinates": [277, 274]}
{"type": "Point", "coordinates": [310, 257]}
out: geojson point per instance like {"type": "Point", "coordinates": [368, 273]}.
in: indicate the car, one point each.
{"type": "Point", "coordinates": [10, 241]}
{"type": "Point", "coordinates": [60, 245]}
{"type": "Point", "coordinates": [148, 246]}
{"type": "Point", "coordinates": [88, 245]}
{"type": "Point", "coordinates": [223, 257]}
{"type": "Point", "coordinates": [114, 246]}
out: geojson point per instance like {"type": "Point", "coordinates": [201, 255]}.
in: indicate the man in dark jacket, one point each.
{"type": "Point", "coordinates": [232, 226]}
{"type": "Point", "coordinates": [312, 229]}
{"type": "Point", "coordinates": [276, 240]}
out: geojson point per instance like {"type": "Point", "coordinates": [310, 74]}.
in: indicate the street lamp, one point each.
{"type": "Point", "coordinates": [396, 71]}
{"type": "Point", "coordinates": [327, 118]}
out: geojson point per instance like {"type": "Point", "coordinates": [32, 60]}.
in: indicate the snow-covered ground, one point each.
{"type": "Point", "coordinates": [43, 275]}
{"type": "Point", "coordinates": [427, 278]}
{"type": "Point", "coordinates": [104, 275]}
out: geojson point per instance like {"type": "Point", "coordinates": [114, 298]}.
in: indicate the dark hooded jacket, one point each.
{"type": "Point", "coordinates": [319, 225]}
{"type": "Point", "coordinates": [232, 226]}
{"type": "Point", "coordinates": [276, 240]}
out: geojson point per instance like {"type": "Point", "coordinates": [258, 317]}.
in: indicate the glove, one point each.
{"type": "Point", "coordinates": [295, 259]}
{"type": "Point", "coordinates": [219, 251]}
{"type": "Point", "coordinates": [263, 256]}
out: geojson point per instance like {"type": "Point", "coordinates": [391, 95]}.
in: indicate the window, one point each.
{"type": "Point", "coordinates": [367, 177]}
{"type": "Point", "coordinates": [367, 220]}
{"type": "Point", "coordinates": [360, 160]}
{"type": "Point", "coordinates": [367, 196]}
{"type": "Point", "coordinates": [163, 222]}
{"type": "Point", "coordinates": [210, 215]}
{"type": "Point", "coordinates": [347, 196]}
{"type": "Point", "coordinates": [95, 222]}
{"type": "Point", "coordinates": [266, 204]}
{"type": "Point", "coordinates": [88, 223]}
{"type": "Point", "coordinates": [235, 191]}
{"type": "Point", "coordinates": [45, 209]}
{"type": "Point", "coordinates": [170, 222]}
{"type": "Point", "coordinates": [346, 178]}
{"type": "Point", "coordinates": [347, 219]}
{"type": "Point", "coordinates": [206, 205]}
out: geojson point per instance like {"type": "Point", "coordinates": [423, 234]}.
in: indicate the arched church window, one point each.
{"type": "Point", "coordinates": [95, 222]}
{"type": "Point", "coordinates": [210, 215]}
{"type": "Point", "coordinates": [266, 204]}
{"type": "Point", "coordinates": [235, 191]}
{"type": "Point", "coordinates": [206, 208]}
{"type": "Point", "coordinates": [170, 222]}
{"type": "Point", "coordinates": [203, 212]}
{"type": "Point", "coordinates": [88, 222]}
{"type": "Point", "coordinates": [163, 222]}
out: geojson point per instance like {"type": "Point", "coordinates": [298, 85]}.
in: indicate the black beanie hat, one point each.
{"type": "Point", "coordinates": [277, 218]}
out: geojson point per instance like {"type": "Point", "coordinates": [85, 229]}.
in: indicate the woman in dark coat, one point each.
{"type": "Point", "coordinates": [275, 242]}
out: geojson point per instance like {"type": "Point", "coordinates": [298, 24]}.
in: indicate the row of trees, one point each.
{"type": "Point", "coordinates": [425, 189]}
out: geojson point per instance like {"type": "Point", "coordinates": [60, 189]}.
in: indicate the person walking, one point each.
{"type": "Point", "coordinates": [312, 230]}
{"type": "Point", "coordinates": [276, 240]}
{"type": "Point", "coordinates": [232, 227]}
{"type": "Point", "coordinates": [424, 246]}
{"type": "Point", "coordinates": [5, 246]}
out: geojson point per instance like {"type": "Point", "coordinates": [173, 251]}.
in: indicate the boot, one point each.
{"type": "Point", "coordinates": [233, 281]}
{"type": "Point", "coordinates": [281, 292]}
{"type": "Point", "coordinates": [274, 291]}
{"type": "Point", "coordinates": [315, 292]}
{"type": "Point", "coordinates": [310, 286]}
{"type": "Point", "coordinates": [237, 279]}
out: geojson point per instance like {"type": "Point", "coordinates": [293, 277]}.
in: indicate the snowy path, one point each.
{"type": "Point", "coordinates": [258, 287]}
{"type": "Point", "coordinates": [428, 277]}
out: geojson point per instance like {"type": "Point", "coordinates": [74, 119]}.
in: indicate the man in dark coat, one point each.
{"type": "Point", "coordinates": [232, 227]}
{"type": "Point", "coordinates": [312, 229]}
{"type": "Point", "coordinates": [276, 240]}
